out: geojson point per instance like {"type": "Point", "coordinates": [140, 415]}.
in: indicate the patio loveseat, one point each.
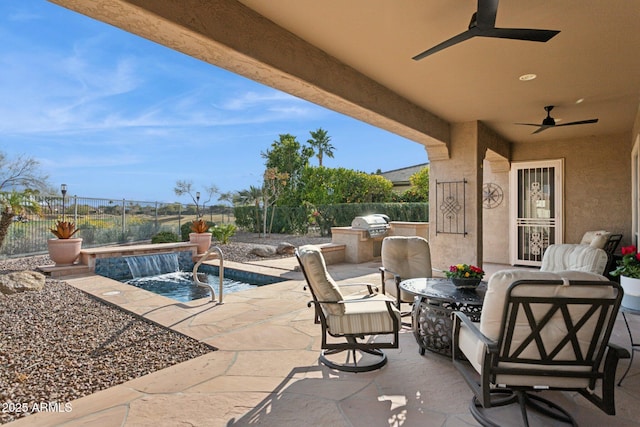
{"type": "Point", "coordinates": [574, 257]}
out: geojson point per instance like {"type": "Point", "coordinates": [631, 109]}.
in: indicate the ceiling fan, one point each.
{"type": "Point", "coordinates": [483, 24]}
{"type": "Point", "coordinates": [549, 122]}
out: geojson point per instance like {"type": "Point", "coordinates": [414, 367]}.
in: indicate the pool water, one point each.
{"type": "Point", "coordinates": [179, 285]}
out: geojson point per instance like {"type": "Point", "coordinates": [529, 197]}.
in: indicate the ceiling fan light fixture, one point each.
{"type": "Point", "coordinates": [579, 101]}
{"type": "Point", "coordinates": [527, 77]}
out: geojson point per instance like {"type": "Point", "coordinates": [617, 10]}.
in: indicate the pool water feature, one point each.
{"type": "Point", "coordinates": [141, 266]}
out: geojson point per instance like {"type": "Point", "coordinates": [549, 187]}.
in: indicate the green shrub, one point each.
{"type": "Point", "coordinates": [295, 220]}
{"type": "Point", "coordinates": [185, 229]}
{"type": "Point", "coordinates": [165, 237]}
{"type": "Point", "coordinates": [223, 232]}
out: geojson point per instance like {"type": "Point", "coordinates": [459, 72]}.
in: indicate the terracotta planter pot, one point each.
{"type": "Point", "coordinates": [203, 240]}
{"type": "Point", "coordinates": [64, 251]}
{"type": "Point", "coordinates": [631, 287]}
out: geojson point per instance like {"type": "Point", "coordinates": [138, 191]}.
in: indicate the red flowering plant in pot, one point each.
{"type": "Point", "coordinates": [629, 265]}
{"type": "Point", "coordinates": [629, 271]}
{"type": "Point", "coordinates": [465, 275]}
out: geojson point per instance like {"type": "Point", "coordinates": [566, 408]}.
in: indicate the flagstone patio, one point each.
{"type": "Point", "coordinates": [266, 370]}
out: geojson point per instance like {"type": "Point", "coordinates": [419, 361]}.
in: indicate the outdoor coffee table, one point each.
{"type": "Point", "coordinates": [435, 300]}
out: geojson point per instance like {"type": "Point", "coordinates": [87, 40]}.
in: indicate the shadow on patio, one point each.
{"type": "Point", "coordinates": [266, 371]}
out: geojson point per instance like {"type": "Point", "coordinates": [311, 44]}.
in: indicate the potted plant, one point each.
{"type": "Point", "coordinates": [465, 275]}
{"type": "Point", "coordinates": [65, 249]}
{"type": "Point", "coordinates": [200, 235]}
{"type": "Point", "coordinates": [629, 271]}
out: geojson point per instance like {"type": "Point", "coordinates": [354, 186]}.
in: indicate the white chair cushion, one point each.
{"type": "Point", "coordinates": [324, 287]}
{"type": "Point", "coordinates": [566, 256]}
{"type": "Point", "coordinates": [600, 241]}
{"type": "Point", "coordinates": [471, 347]}
{"type": "Point", "coordinates": [596, 238]}
{"type": "Point", "coordinates": [492, 313]}
{"type": "Point", "coordinates": [407, 256]}
{"type": "Point", "coordinates": [368, 317]}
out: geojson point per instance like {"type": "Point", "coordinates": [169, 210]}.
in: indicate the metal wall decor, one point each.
{"type": "Point", "coordinates": [492, 195]}
{"type": "Point", "coordinates": [450, 207]}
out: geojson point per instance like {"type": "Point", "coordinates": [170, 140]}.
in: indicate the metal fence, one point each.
{"type": "Point", "coordinates": [103, 222]}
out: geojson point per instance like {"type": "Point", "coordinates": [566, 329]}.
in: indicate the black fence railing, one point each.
{"type": "Point", "coordinates": [103, 222]}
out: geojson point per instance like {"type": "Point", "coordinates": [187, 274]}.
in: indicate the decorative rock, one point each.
{"type": "Point", "coordinates": [285, 248]}
{"type": "Point", "coordinates": [264, 251]}
{"type": "Point", "coordinates": [21, 281]}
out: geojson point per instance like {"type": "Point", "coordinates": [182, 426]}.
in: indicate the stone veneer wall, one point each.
{"type": "Point", "coordinates": [116, 268]}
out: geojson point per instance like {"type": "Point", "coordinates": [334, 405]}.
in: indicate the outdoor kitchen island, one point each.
{"type": "Point", "coordinates": [363, 240]}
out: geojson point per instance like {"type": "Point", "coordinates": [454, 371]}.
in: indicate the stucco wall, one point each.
{"type": "Point", "coordinates": [495, 220]}
{"type": "Point", "coordinates": [465, 161]}
{"type": "Point", "coordinates": [597, 186]}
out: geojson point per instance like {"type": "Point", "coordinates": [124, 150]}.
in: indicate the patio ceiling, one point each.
{"type": "Point", "coordinates": [594, 58]}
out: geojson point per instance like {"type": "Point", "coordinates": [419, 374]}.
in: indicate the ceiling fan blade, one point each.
{"type": "Point", "coordinates": [519, 34]}
{"type": "Point", "coordinates": [543, 127]}
{"type": "Point", "coordinates": [487, 12]}
{"type": "Point", "coordinates": [581, 122]}
{"type": "Point", "coordinates": [445, 44]}
{"type": "Point", "coordinates": [528, 124]}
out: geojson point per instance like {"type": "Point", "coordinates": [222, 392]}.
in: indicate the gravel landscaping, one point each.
{"type": "Point", "coordinates": [59, 344]}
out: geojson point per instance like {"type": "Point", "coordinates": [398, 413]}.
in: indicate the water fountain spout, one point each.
{"type": "Point", "coordinates": [150, 265]}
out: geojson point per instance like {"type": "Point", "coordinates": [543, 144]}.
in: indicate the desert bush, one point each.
{"type": "Point", "coordinates": [165, 237]}
{"type": "Point", "coordinates": [223, 232]}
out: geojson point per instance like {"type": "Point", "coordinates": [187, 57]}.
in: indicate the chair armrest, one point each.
{"type": "Point", "coordinates": [369, 286]}
{"type": "Point", "coordinates": [620, 352]}
{"type": "Point", "coordinates": [386, 270]}
{"type": "Point", "coordinates": [492, 346]}
{"type": "Point", "coordinates": [606, 401]}
{"type": "Point", "coordinates": [379, 297]}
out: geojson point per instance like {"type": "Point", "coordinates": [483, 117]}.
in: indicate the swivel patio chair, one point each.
{"type": "Point", "coordinates": [352, 318]}
{"type": "Point", "coordinates": [403, 257]}
{"type": "Point", "coordinates": [540, 331]}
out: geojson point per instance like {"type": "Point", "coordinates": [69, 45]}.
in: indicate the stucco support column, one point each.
{"type": "Point", "coordinates": [464, 163]}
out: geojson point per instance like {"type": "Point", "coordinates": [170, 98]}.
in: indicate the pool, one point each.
{"type": "Point", "coordinates": [169, 274]}
{"type": "Point", "coordinates": [179, 285]}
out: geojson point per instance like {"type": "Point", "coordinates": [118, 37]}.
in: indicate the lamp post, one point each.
{"type": "Point", "coordinates": [198, 204]}
{"type": "Point", "coordinates": [63, 190]}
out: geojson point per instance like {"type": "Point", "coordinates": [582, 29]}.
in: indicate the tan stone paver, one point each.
{"type": "Point", "coordinates": [266, 370]}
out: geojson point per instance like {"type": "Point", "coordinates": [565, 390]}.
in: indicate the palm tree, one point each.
{"type": "Point", "coordinates": [321, 143]}
{"type": "Point", "coordinates": [252, 196]}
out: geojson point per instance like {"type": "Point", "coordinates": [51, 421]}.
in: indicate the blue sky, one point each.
{"type": "Point", "coordinates": [116, 116]}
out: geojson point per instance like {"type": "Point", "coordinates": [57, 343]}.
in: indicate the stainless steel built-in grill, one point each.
{"type": "Point", "coordinates": [376, 225]}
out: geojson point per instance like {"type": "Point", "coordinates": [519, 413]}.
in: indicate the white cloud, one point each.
{"type": "Point", "coordinates": [24, 16]}
{"type": "Point", "coordinates": [256, 100]}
